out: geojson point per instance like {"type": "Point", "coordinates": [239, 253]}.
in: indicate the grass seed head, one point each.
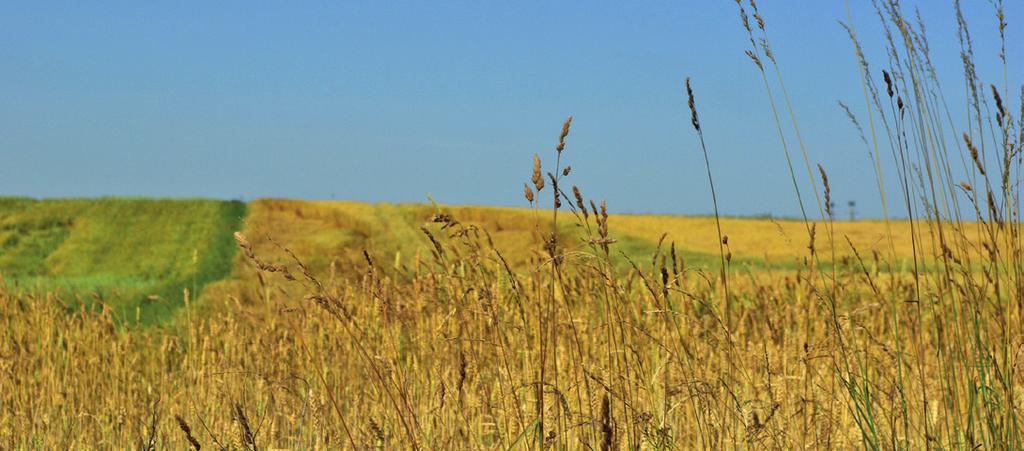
{"type": "Point", "coordinates": [974, 154]}
{"type": "Point", "coordinates": [828, 190]}
{"type": "Point", "coordinates": [998, 99]}
{"type": "Point", "coordinates": [565, 132]}
{"type": "Point", "coordinates": [1000, 108]}
{"type": "Point", "coordinates": [243, 423]}
{"type": "Point", "coordinates": [185, 429]}
{"type": "Point", "coordinates": [554, 187]}
{"type": "Point", "coordinates": [538, 177]}
{"type": "Point", "coordinates": [811, 234]}
{"type": "Point", "coordinates": [607, 432]}
{"type": "Point", "coordinates": [757, 15]}
{"type": "Point", "coordinates": [888, 83]}
{"type": "Point", "coordinates": [579, 201]}
{"type": "Point", "coordinates": [756, 59]}
{"type": "Point", "coordinates": [693, 107]}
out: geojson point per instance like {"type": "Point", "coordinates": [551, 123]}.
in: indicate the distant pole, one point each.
{"type": "Point", "coordinates": [853, 209]}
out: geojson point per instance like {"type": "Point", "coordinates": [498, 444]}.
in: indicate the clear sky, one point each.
{"type": "Point", "coordinates": [395, 101]}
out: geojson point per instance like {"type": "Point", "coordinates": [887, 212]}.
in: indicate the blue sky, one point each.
{"type": "Point", "coordinates": [395, 101]}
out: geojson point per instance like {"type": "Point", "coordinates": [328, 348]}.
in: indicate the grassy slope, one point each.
{"type": "Point", "coordinates": [323, 233]}
{"type": "Point", "coordinates": [340, 230]}
{"type": "Point", "coordinates": [136, 255]}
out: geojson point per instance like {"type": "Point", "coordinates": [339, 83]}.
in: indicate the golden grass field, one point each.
{"type": "Point", "coordinates": [348, 325]}
{"type": "Point", "coordinates": [440, 346]}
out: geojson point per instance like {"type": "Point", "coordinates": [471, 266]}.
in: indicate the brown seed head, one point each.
{"type": "Point", "coordinates": [607, 430]}
{"type": "Point", "coordinates": [247, 436]}
{"type": "Point", "coordinates": [528, 193]}
{"type": "Point", "coordinates": [767, 50]}
{"type": "Point", "coordinates": [993, 210]}
{"type": "Point", "coordinates": [565, 132]}
{"type": "Point", "coordinates": [999, 99]}
{"type": "Point", "coordinates": [828, 190]}
{"type": "Point", "coordinates": [579, 201]}
{"type": "Point", "coordinates": [757, 15]}
{"type": "Point", "coordinates": [604, 219]}
{"type": "Point", "coordinates": [554, 186]}
{"type": "Point", "coordinates": [1000, 109]}
{"type": "Point", "coordinates": [242, 241]}
{"type": "Point", "coordinates": [888, 83]}
{"type": "Point", "coordinates": [245, 245]}
{"type": "Point", "coordinates": [756, 59]}
{"type": "Point", "coordinates": [538, 178]}
{"type": "Point", "coordinates": [188, 433]}
{"type": "Point", "coordinates": [810, 245]}
{"type": "Point", "coordinates": [693, 107]}
{"type": "Point", "coordinates": [744, 18]}
{"type": "Point", "coordinates": [974, 154]}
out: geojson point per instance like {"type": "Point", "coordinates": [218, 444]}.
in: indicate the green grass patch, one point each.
{"type": "Point", "coordinates": [135, 255]}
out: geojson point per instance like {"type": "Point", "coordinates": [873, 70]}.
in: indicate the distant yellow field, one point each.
{"type": "Point", "coordinates": [340, 230]}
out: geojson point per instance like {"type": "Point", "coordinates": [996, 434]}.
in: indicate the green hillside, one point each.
{"type": "Point", "coordinates": [134, 255]}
